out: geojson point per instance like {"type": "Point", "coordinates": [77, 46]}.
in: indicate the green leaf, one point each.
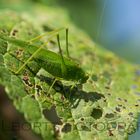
{"type": "Point", "coordinates": [105, 107]}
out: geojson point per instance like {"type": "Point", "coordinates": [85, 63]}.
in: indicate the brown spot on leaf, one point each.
{"type": "Point", "coordinates": [118, 109]}
{"type": "Point", "coordinates": [26, 80]}
{"type": "Point", "coordinates": [14, 32]}
{"type": "Point", "coordinates": [110, 132]}
{"type": "Point", "coordinates": [109, 115]}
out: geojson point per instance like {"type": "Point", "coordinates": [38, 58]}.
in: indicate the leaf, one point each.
{"type": "Point", "coordinates": [105, 107]}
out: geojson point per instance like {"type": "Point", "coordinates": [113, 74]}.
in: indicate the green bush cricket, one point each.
{"type": "Point", "coordinates": [56, 64]}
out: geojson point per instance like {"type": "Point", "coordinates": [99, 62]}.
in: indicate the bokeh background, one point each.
{"type": "Point", "coordinates": [114, 24]}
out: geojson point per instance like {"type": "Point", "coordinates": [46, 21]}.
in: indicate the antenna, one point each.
{"type": "Point", "coordinates": [101, 20]}
{"type": "Point", "coordinates": [99, 27]}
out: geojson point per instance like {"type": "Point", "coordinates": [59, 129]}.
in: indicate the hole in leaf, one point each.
{"type": "Point", "coordinates": [82, 119]}
{"type": "Point", "coordinates": [130, 114]}
{"type": "Point", "coordinates": [97, 113]}
{"type": "Point", "coordinates": [118, 109]}
{"type": "Point", "coordinates": [66, 128]}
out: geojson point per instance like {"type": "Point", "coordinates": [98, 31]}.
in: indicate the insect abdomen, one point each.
{"type": "Point", "coordinates": [73, 72]}
{"type": "Point", "coordinates": [52, 67]}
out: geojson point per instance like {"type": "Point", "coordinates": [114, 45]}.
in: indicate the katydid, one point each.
{"type": "Point", "coordinates": [56, 64]}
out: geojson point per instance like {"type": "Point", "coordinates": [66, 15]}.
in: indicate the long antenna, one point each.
{"type": "Point", "coordinates": [100, 24]}
{"type": "Point", "coordinates": [45, 34]}
{"type": "Point", "coordinates": [101, 20]}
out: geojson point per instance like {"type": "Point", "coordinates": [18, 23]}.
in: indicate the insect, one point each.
{"type": "Point", "coordinates": [59, 66]}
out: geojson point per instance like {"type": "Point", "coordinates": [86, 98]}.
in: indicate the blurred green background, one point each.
{"type": "Point", "coordinates": [117, 25]}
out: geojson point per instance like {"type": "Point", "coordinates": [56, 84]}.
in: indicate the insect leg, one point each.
{"type": "Point", "coordinates": [63, 66]}
{"type": "Point", "coordinates": [60, 103]}
{"type": "Point", "coordinates": [32, 56]}
{"type": "Point", "coordinates": [67, 43]}
{"type": "Point", "coordinates": [71, 88]}
{"type": "Point", "coordinates": [52, 85]}
{"type": "Point", "coordinates": [60, 50]}
{"type": "Point", "coordinates": [52, 100]}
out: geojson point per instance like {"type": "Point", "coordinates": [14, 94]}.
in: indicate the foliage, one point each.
{"type": "Point", "coordinates": [105, 107]}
